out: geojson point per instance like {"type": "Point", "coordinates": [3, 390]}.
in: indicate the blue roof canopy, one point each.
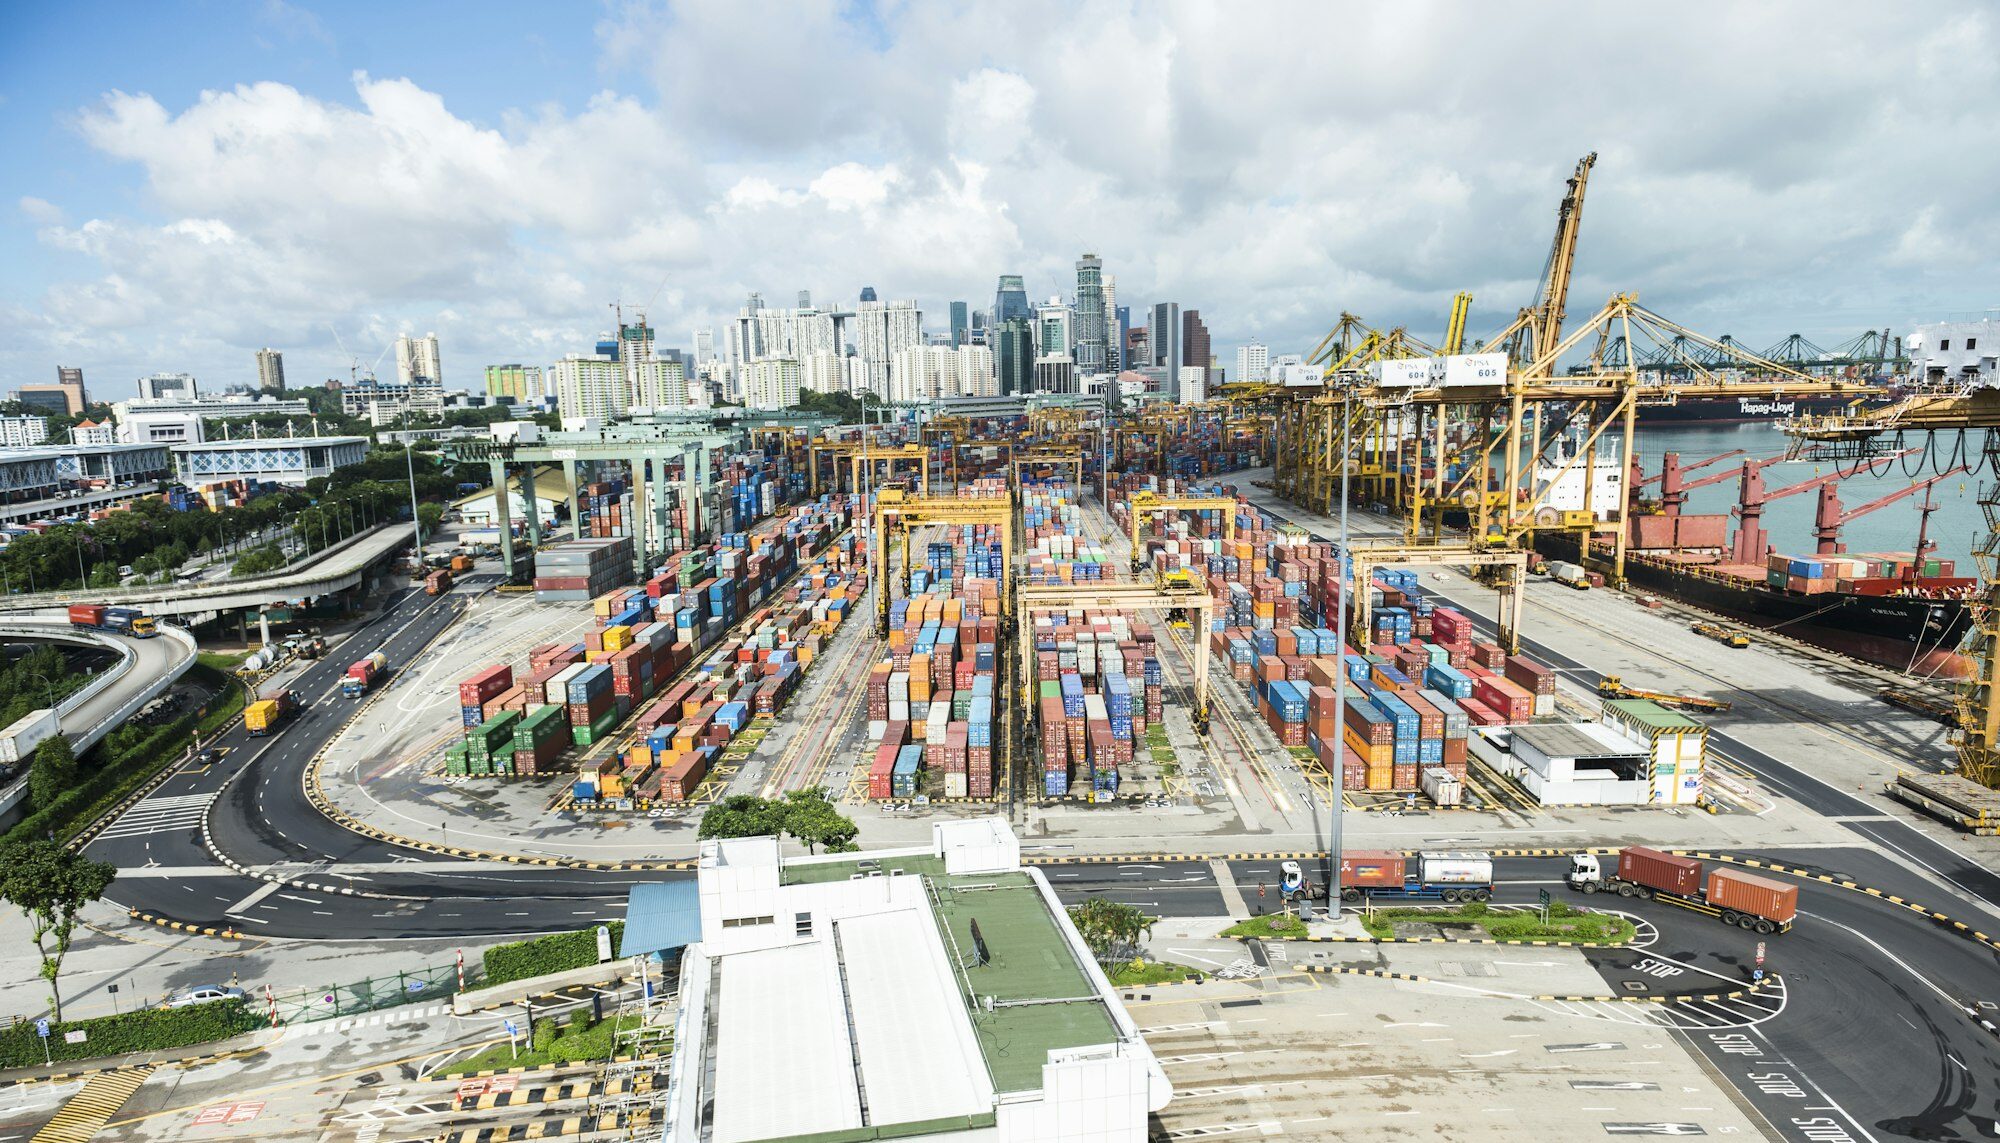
{"type": "Point", "coordinates": [660, 917]}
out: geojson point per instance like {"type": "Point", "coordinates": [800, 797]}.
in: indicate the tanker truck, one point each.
{"type": "Point", "coordinates": [1386, 875]}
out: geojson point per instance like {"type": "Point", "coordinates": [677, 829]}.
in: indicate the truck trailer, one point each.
{"type": "Point", "coordinates": [1745, 900]}
{"type": "Point", "coordinates": [272, 708]}
{"type": "Point", "coordinates": [116, 620]}
{"type": "Point", "coordinates": [362, 674]}
{"type": "Point", "coordinates": [1386, 875]}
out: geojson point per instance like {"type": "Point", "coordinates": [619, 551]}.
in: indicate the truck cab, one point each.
{"type": "Point", "coordinates": [1585, 874]}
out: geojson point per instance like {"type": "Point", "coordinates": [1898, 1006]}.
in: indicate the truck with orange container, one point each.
{"type": "Point", "coordinates": [1760, 904]}
{"type": "Point", "coordinates": [437, 582]}
{"type": "Point", "coordinates": [116, 620]}
{"type": "Point", "coordinates": [362, 674]}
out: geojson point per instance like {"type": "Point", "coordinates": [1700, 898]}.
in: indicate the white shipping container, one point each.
{"type": "Point", "coordinates": [955, 785]}
{"type": "Point", "coordinates": [877, 727]}
{"type": "Point", "coordinates": [556, 690]}
{"type": "Point", "coordinates": [1441, 788]}
{"type": "Point", "coordinates": [1093, 706]}
{"type": "Point", "coordinates": [1545, 705]}
{"type": "Point", "coordinates": [18, 741]}
{"type": "Point", "coordinates": [899, 710]}
{"type": "Point", "coordinates": [899, 687]}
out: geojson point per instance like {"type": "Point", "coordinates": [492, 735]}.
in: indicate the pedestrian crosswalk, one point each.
{"type": "Point", "coordinates": [91, 1107]}
{"type": "Point", "coordinates": [393, 1016]}
{"type": "Point", "coordinates": [160, 815]}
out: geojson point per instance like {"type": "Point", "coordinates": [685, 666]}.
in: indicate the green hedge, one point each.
{"type": "Point", "coordinates": [146, 1030]}
{"type": "Point", "coordinates": [558, 952]}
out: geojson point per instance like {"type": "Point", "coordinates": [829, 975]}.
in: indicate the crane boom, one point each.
{"type": "Point", "coordinates": [1553, 299]}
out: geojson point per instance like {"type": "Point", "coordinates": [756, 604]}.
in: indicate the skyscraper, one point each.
{"type": "Point", "coordinates": [1014, 355]}
{"type": "Point", "coordinates": [868, 293]}
{"type": "Point", "coordinates": [704, 345]}
{"type": "Point", "coordinates": [1114, 331]}
{"type": "Point", "coordinates": [417, 360]}
{"type": "Point", "coordinates": [1089, 350]}
{"type": "Point", "coordinates": [1163, 347]}
{"type": "Point", "coordinates": [1125, 357]}
{"type": "Point", "coordinates": [1194, 346]}
{"type": "Point", "coordinates": [1010, 301]}
{"type": "Point", "coordinates": [1055, 329]}
{"type": "Point", "coordinates": [270, 370]}
{"type": "Point", "coordinates": [977, 335]}
{"type": "Point", "coordinates": [961, 325]}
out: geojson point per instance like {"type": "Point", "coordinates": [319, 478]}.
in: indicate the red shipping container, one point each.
{"type": "Point", "coordinates": [1372, 869]}
{"type": "Point", "coordinates": [1669, 872]}
{"type": "Point", "coordinates": [1530, 676]}
{"type": "Point", "coordinates": [1748, 893]}
{"type": "Point", "coordinates": [484, 685]}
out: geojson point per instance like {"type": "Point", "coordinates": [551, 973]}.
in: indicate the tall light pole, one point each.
{"type": "Point", "coordinates": [416, 526]}
{"type": "Point", "coordinates": [1347, 587]}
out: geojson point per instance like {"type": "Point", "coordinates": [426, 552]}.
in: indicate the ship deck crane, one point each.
{"type": "Point", "coordinates": [1753, 544]}
{"type": "Point", "coordinates": [1673, 490]}
{"type": "Point", "coordinates": [1829, 518]}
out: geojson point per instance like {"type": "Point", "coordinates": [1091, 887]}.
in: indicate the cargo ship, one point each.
{"type": "Point", "coordinates": [1720, 410]}
{"type": "Point", "coordinates": [1898, 616]}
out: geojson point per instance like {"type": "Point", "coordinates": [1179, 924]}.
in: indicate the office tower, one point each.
{"type": "Point", "coordinates": [1138, 346]}
{"type": "Point", "coordinates": [270, 370]}
{"type": "Point", "coordinates": [704, 345]}
{"type": "Point", "coordinates": [961, 324]}
{"type": "Point", "coordinates": [1088, 338]}
{"type": "Point", "coordinates": [417, 360]}
{"type": "Point", "coordinates": [1014, 356]}
{"type": "Point", "coordinates": [1253, 362]}
{"type": "Point", "coordinates": [868, 294]}
{"type": "Point", "coordinates": [1194, 347]}
{"type": "Point", "coordinates": [805, 299]}
{"type": "Point", "coordinates": [1163, 347]}
{"type": "Point", "coordinates": [1010, 301]}
{"type": "Point", "coordinates": [1125, 358]}
{"type": "Point", "coordinates": [1055, 373]}
{"type": "Point", "coordinates": [65, 396]}
{"type": "Point", "coordinates": [1055, 329]}
{"type": "Point", "coordinates": [520, 383]}
{"type": "Point", "coordinates": [168, 386]}
{"type": "Point", "coordinates": [977, 334]}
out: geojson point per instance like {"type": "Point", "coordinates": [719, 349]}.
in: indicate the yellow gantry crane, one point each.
{"type": "Point", "coordinates": [909, 512]}
{"type": "Point", "coordinates": [1144, 504]}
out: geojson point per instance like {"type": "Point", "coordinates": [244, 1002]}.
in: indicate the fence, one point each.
{"type": "Point", "coordinates": [436, 982]}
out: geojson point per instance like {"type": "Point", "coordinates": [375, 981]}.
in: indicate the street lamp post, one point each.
{"type": "Point", "coordinates": [1339, 793]}
{"type": "Point", "coordinates": [416, 525]}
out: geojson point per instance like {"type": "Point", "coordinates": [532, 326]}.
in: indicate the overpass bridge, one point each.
{"type": "Point", "coordinates": [341, 566]}
{"type": "Point", "coordinates": [144, 671]}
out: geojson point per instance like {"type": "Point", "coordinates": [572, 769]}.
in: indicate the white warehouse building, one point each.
{"type": "Point", "coordinates": [933, 993]}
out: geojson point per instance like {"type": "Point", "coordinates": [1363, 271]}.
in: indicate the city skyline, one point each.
{"type": "Point", "coordinates": [138, 242]}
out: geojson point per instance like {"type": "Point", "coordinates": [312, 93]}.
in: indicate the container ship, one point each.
{"type": "Point", "coordinates": [1720, 410]}
{"type": "Point", "coordinates": [1882, 608]}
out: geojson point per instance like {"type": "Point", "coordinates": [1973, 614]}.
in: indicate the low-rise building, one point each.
{"type": "Point", "coordinates": [279, 460]}
{"type": "Point", "coordinates": [935, 993]}
{"type": "Point", "coordinates": [173, 420]}
{"type": "Point", "coordinates": [1955, 352]}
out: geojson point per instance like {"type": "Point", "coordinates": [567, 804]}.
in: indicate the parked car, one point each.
{"type": "Point", "coordinates": [207, 994]}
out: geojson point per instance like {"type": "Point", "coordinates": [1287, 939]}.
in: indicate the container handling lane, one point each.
{"type": "Point", "coordinates": [1949, 865]}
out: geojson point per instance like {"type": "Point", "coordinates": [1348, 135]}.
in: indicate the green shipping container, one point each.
{"type": "Point", "coordinates": [1051, 689]}
{"type": "Point", "coordinates": [605, 724]}
{"type": "Point", "coordinates": [541, 724]}
{"type": "Point", "coordinates": [582, 736]}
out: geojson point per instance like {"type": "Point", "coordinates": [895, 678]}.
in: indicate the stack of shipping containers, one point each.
{"type": "Point", "coordinates": [581, 570]}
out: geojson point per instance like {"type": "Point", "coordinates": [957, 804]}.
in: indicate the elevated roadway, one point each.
{"type": "Point", "coordinates": [144, 670]}
{"type": "Point", "coordinates": [341, 566]}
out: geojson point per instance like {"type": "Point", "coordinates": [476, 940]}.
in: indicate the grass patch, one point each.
{"type": "Point", "coordinates": [578, 1041]}
{"type": "Point", "coordinates": [225, 662]}
{"type": "Point", "coordinates": [1565, 923]}
{"type": "Point", "coordinates": [1270, 926]}
{"type": "Point", "coordinates": [1140, 973]}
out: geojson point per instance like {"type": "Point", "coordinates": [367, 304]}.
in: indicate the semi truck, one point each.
{"type": "Point", "coordinates": [116, 620]}
{"type": "Point", "coordinates": [362, 674]}
{"type": "Point", "coordinates": [18, 742]}
{"type": "Point", "coordinates": [263, 716]}
{"type": "Point", "coordinates": [438, 582]}
{"type": "Point", "coordinates": [1387, 875]}
{"type": "Point", "coordinates": [1745, 900]}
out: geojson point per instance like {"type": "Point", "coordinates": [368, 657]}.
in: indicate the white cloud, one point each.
{"type": "Point", "coordinates": [1270, 164]}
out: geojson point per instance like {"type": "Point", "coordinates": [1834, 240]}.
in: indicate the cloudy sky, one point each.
{"type": "Point", "coordinates": [187, 182]}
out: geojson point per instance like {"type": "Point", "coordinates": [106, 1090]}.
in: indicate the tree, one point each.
{"type": "Point", "coordinates": [742, 815]}
{"type": "Point", "coordinates": [50, 885]}
{"type": "Point", "coordinates": [53, 771]}
{"type": "Point", "coordinates": [1112, 930]}
{"type": "Point", "coordinates": [429, 516]}
{"type": "Point", "coordinates": [810, 817]}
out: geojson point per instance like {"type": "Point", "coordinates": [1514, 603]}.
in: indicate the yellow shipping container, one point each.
{"type": "Point", "coordinates": [1381, 777]}
{"type": "Point", "coordinates": [617, 637]}
{"type": "Point", "coordinates": [260, 715]}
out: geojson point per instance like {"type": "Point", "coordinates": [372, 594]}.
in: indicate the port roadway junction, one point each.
{"type": "Point", "coordinates": [1876, 1025]}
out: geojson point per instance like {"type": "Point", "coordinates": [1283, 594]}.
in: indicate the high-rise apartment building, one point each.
{"type": "Point", "coordinates": [19, 431]}
{"type": "Point", "coordinates": [1088, 338]}
{"type": "Point", "coordinates": [827, 372]}
{"type": "Point", "coordinates": [270, 370]}
{"type": "Point", "coordinates": [772, 383]}
{"type": "Point", "coordinates": [880, 330]}
{"type": "Point", "coordinates": [521, 384]}
{"type": "Point", "coordinates": [1163, 347]}
{"type": "Point", "coordinates": [417, 360]}
{"type": "Point", "coordinates": [1114, 330]}
{"type": "Point", "coordinates": [929, 372]}
{"type": "Point", "coordinates": [961, 324]}
{"type": "Point", "coordinates": [593, 385]}
{"type": "Point", "coordinates": [1009, 301]}
{"type": "Point", "coordinates": [1194, 349]}
{"type": "Point", "coordinates": [1014, 356]}
{"type": "Point", "coordinates": [168, 386]}
{"type": "Point", "coordinates": [1253, 362]}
